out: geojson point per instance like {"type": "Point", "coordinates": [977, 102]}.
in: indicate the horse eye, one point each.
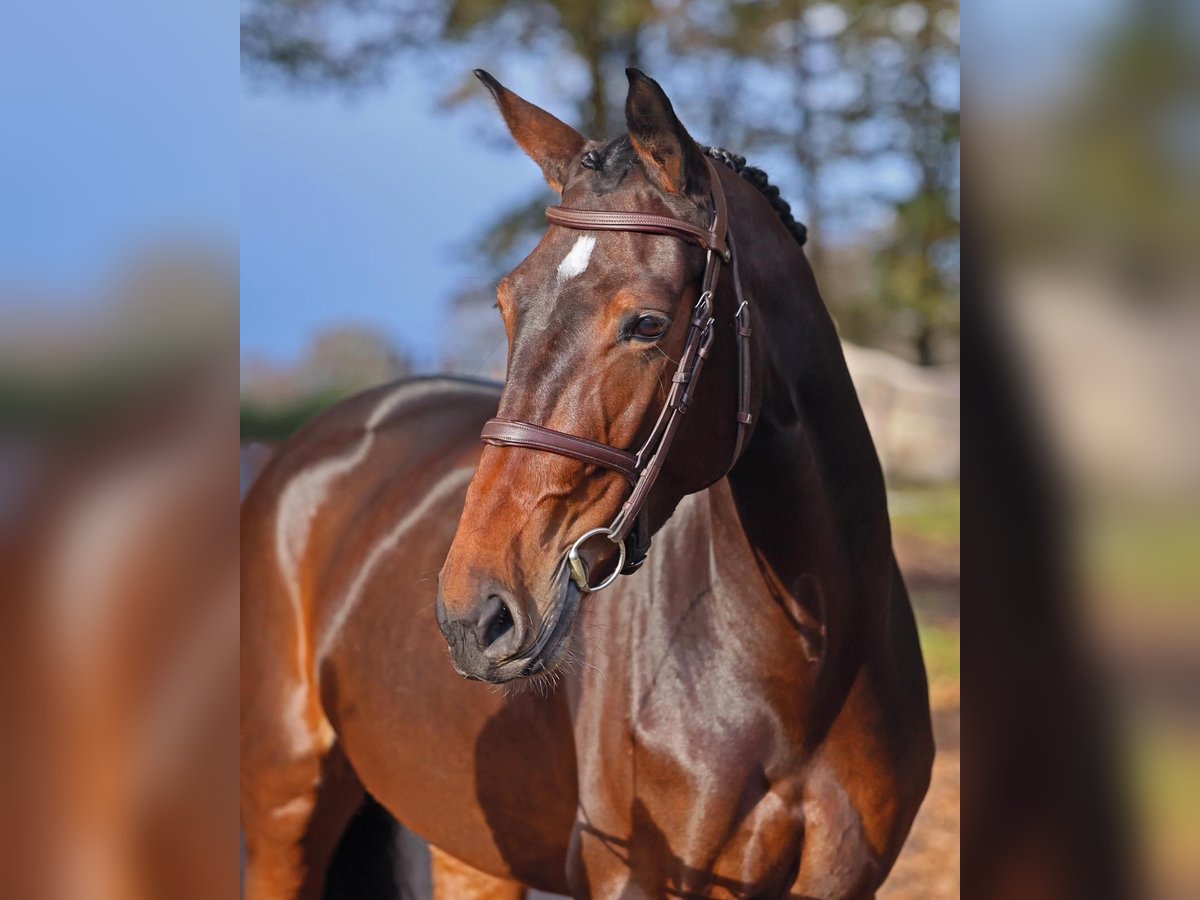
{"type": "Point", "coordinates": [650, 327]}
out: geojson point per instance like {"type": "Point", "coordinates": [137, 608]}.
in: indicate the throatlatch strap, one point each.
{"type": "Point", "coordinates": [741, 321]}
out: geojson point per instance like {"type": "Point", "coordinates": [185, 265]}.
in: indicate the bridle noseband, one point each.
{"type": "Point", "coordinates": [630, 530]}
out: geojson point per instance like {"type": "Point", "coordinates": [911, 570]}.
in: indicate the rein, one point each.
{"type": "Point", "coordinates": [630, 530]}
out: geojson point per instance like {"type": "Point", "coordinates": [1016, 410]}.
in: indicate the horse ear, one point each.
{"type": "Point", "coordinates": [550, 143]}
{"type": "Point", "coordinates": [667, 150]}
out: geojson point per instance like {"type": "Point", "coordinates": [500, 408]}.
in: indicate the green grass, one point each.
{"type": "Point", "coordinates": [1165, 783]}
{"type": "Point", "coordinates": [260, 423]}
{"type": "Point", "coordinates": [1167, 778]}
{"type": "Point", "coordinates": [930, 513]}
{"type": "Point", "coordinates": [1150, 558]}
{"type": "Point", "coordinates": [941, 646]}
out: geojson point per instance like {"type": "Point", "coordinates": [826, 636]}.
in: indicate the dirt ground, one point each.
{"type": "Point", "coordinates": [928, 867]}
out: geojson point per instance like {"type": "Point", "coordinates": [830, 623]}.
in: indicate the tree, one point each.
{"type": "Point", "coordinates": [840, 98]}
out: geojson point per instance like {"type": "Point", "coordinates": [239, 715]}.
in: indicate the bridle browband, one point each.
{"type": "Point", "coordinates": [630, 530]}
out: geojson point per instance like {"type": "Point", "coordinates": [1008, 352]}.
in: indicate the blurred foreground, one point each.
{"type": "Point", "coordinates": [1081, 558]}
{"type": "Point", "coordinates": [119, 598]}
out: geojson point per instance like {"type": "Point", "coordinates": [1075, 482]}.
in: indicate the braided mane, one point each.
{"type": "Point", "coordinates": [618, 155]}
{"type": "Point", "coordinates": [759, 179]}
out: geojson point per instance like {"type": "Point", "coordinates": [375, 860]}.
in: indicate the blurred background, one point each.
{"type": "Point", "coordinates": [142, 144]}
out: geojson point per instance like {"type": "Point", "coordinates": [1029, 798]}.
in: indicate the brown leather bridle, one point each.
{"type": "Point", "coordinates": [630, 530]}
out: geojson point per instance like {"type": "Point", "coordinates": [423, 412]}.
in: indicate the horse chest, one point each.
{"type": "Point", "coordinates": [694, 817]}
{"type": "Point", "coordinates": [695, 784]}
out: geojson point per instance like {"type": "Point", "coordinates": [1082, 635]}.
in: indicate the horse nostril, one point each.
{"type": "Point", "coordinates": [500, 625]}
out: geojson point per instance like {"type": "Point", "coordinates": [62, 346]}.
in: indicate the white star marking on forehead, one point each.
{"type": "Point", "coordinates": [576, 262]}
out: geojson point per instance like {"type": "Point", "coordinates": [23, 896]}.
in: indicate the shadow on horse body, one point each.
{"type": "Point", "coordinates": [745, 716]}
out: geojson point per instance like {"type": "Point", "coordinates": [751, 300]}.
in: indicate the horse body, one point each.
{"type": "Point", "coordinates": [340, 637]}
{"type": "Point", "coordinates": [746, 716]}
{"type": "Point", "coordinates": [455, 761]}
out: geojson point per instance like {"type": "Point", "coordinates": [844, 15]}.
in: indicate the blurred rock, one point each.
{"type": "Point", "coordinates": [913, 414]}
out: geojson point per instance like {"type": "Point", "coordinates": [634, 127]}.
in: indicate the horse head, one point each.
{"type": "Point", "coordinates": [597, 322]}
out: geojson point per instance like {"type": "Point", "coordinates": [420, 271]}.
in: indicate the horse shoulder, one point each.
{"type": "Point", "coordinates": [317, 481]}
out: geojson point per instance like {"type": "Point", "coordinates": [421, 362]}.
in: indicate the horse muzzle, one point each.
{"type": "Point", "coordinates": [492, 641]}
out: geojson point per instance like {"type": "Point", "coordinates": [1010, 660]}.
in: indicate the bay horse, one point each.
{"type": "Point", "coordinates": [742, 713]}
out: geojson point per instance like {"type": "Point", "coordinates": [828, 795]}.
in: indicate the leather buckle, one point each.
{"type": "Point", "coordinates": [706, 339]}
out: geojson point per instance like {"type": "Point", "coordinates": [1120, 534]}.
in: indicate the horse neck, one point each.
{"type": "Point", "coordinates": [809, 489]}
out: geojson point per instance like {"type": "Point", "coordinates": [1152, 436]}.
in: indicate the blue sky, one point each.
{"type": "Point", "coordinates": [355, 210]}
{"type": "Point", "coordinates": [120, 129]}
{"type": "Point", "coordinates": [130, 125]}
